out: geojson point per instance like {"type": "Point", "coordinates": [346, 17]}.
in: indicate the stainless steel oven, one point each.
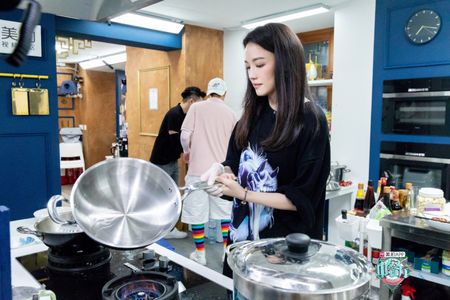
{"type": "Point", "coordinates": [417, 106]}
{"type": "Point", "coordinates": [424, 165]}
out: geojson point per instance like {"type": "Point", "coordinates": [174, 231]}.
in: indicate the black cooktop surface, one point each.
{"type": "Point", "coordinates": [87, 285]}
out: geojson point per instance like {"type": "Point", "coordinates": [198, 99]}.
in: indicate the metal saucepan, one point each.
{"type": "Point", "coordinates": [57, 235]}
{"type": "Point", "coordinates": [125, 202]}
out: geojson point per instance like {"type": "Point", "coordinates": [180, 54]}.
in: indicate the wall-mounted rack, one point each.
{"type": "Point", "coordinates": [30, 76]}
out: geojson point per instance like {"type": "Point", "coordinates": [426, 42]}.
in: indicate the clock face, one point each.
{"type": "Point", "coordinates": [423, 26]}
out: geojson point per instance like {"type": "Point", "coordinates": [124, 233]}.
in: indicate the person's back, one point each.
{"type": "Point", "coordinates": [167, 147]}
{"type": "Point", "coordinates": [205, 134]}
{"type": "Point", "coordinates": [211, 123]}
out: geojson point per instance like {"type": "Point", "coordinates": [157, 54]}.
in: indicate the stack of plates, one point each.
{"type": "Point", "coordinates": [441, 225]}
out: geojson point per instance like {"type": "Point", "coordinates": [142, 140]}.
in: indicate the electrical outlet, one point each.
{"type": "Point", "coordinates": [83, 126]}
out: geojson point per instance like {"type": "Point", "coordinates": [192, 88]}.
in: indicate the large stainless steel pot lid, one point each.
{"type": "Point", "coordinates": [298, 264]}
{"type": "Point", "coordinates": [125, 202]}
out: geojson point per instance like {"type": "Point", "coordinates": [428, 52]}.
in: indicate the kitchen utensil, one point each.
{"type": "Point", "coordinates": [196, 186]}
{"type": "Point", "coordinates": [43, 212]}
{"type": "Point", "coordinates": [19, 96]}
{"type": "Point", "coordinates": [57, 235]}
{"type": "Point", "coordinates": [337, 172]}
{"type": "Point", "coordinates": [124, 203]}
{"type": "Point", "coordinates": [332, 186]}
{"type": "Point", "coordinates": [297, 268]}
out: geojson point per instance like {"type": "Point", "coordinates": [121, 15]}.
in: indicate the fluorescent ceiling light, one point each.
{"type": "Point", "coordinates": [116, 58]}
{"type": "Point", "coordinates": [102, 61]}
{"type": "Point", "coordinates": [286, 16]}
{"type": "Point", "coordinates": [148, 22]}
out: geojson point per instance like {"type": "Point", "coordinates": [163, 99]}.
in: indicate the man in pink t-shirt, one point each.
{"type": "Point", "coordinates": [205, 133]}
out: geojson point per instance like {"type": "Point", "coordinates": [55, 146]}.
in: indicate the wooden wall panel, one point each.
{"type": "Point", "coordinates": [154, 98]}
{"type": "Point", "coordinates": [140, 146]}
{"type": "Point", "coordinates": [97, 112]}
{"type": "Point", "coordinates": [200, 59]}
{"type": "Point", "coordinates": [204, 53]}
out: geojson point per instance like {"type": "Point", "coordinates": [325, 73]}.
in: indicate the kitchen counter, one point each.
{"type": "Point", "coordinates": [21, 277]}
{"type": "Point", "coordinates": [337, 201]}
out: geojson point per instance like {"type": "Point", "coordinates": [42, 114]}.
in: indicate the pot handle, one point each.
{"type": "Point", "coordinates": [52, 211]}
{"type": "Point", "coordinates": [231, 247]}
{"type": "Point", "coordinates": [26, 230]}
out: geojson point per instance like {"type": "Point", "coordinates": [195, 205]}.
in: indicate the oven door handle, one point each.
{"type": "Point", "coordinates": [417, 94]}
{"type": "Point", "coordinates": [416, 158]}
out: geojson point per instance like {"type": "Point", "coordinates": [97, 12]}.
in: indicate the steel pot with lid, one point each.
{"type": "Point", "coordinates": [56, 235]}
{"type": "Point", "coordinates": [295, 268]}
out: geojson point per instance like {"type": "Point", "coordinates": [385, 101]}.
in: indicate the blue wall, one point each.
{"type": "Point", "coordinates": [29, 151]}
{"type": "Point", "coordinates": [29, 171]}
{"type": "Point", "coordinates": [396, 58]}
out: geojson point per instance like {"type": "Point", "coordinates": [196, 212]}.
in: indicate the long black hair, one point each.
{"type": "Point", "coordinates": [290, 84]}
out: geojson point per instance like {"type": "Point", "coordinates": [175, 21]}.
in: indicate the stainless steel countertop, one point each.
{"type": "Point", "coordinates": [405, 226]}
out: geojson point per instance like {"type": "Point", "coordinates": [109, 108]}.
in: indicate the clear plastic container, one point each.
{"type": "Point", "coordinates": [430, 200]}
{"type": "Point", "coordinates": [212, 231]}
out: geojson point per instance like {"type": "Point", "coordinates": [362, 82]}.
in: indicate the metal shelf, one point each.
{"type": "Point", "coordinates": [404, 226]}
{"type": "Point", "coordinates": [321, 82]}
{"type": "Point", "coordinates": [436, 278]}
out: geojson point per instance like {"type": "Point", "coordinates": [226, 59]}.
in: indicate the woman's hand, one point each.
{"type": "Point", "coordinates": [210, 175]}
{"type": "Point", "coordinates": [229, 186]}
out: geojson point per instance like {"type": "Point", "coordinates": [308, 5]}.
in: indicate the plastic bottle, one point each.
{"type": "Point", "coordinates": [211, 231]}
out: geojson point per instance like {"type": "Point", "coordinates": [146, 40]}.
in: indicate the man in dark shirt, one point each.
{"type": "Point", "coordinates": [167, 148]}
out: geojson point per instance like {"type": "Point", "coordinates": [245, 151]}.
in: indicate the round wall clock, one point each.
{"type": "Point", "coordinates": [423, 26]}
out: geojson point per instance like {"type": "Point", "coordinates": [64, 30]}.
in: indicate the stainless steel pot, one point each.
{"type": "Point", "coordinates": [124, 203]}
{"type": "Point", "coordinates": [297, 268]}
{"type": "Point", "coordinates": [58, 235]}
{"type": "Point", "coordinates": [337, 172]}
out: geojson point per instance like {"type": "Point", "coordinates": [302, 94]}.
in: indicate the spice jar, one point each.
{"type": "Point", "coordinates": [430, 200]}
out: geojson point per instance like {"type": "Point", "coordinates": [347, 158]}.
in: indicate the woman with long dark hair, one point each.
{"type": "Point", "coordinates": [279, 150]}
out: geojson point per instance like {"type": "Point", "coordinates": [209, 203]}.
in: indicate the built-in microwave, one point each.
{"type": "Point", "coordinates": [417, 106]}
{"type": "Point", "coordinates": [424, 165]}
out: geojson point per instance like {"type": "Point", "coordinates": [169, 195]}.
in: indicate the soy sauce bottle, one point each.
{"type": "Point", "coordinates": [369, 199]}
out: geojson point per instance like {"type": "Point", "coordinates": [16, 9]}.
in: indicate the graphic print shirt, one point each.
{"type": "Point", "coordinates": [299, 171]}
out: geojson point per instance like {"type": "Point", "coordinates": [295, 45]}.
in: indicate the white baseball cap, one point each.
{"type": "Point", "coordinates": [217, 86]}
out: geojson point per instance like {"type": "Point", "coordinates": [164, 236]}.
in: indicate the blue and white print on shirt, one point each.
{"type": "Point", "coordinates": [257, 175]}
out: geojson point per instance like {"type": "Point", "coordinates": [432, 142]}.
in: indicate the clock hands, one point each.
{"type": "Point", "coordinates": [427, 28]}
{"type": "Point", "coordinates": [420, 29]}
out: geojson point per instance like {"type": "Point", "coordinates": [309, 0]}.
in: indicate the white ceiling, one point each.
{"type": "Point", "coordinates": [97, 50]}
{"type": "Point", "coordinates": [229, 14]}
{"type": "Point", "coordinates": [217, 14]}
